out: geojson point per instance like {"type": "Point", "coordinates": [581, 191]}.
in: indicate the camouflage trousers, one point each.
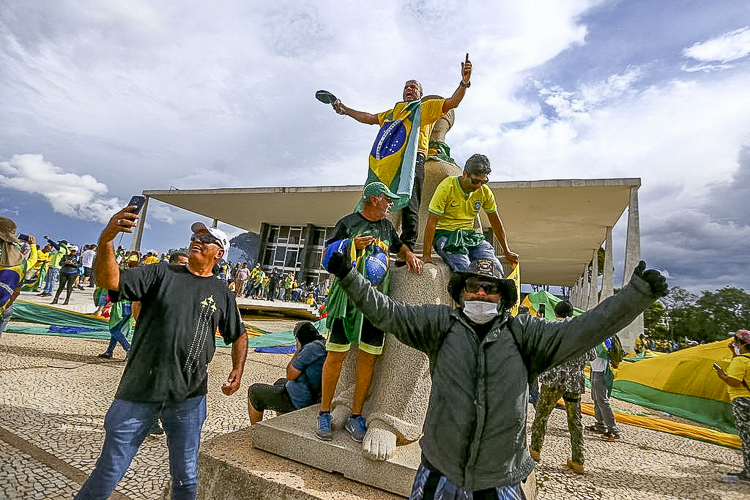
{"type": "Point", "coordinates": [548, 397]}
{"type": "Point", "coordinates": [741, 412]}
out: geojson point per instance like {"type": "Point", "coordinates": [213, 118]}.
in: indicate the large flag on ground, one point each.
{"type": "Point", "coordinates": [682, 383]}
{"type": "Point", "coordinates": [394, 152]}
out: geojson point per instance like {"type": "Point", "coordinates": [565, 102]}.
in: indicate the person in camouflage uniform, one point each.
{"type": "Point", "coordinates": [566, 380]}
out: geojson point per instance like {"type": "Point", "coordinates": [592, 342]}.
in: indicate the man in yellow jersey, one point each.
{"type": "Point", "coordinates": [453, 208]}
{"type": "Point", "coordinates": [394, 159]}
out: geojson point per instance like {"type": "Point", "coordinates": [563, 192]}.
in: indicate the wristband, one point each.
{"type": "Point", "coordinates": [464, 85]}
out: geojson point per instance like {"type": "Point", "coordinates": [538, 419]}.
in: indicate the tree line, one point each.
{"type": "Point", "coordinates": [709, 317]}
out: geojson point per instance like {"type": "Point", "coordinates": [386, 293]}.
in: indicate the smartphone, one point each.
{"type": "Point", "coordinates": [138, 201]}
{"type": "Point", "coordinates": [717, 367]}
{"type": "Point", "coordinates": [541, 310]}
{"type": "Point", "coordinates": [23, 237]}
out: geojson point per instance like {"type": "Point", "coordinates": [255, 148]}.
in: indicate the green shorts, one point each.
{"type": "Point", "coordinates": [371, 340]}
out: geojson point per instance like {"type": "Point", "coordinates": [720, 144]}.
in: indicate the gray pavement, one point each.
{"type": "Point", "coordinates": [54, 393]}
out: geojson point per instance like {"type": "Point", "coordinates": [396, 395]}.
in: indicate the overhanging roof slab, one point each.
{"type": "Point", "coordinates": [554, 225]}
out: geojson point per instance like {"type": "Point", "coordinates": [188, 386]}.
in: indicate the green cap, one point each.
{"type": "Point", "coordinates": [376, 189]}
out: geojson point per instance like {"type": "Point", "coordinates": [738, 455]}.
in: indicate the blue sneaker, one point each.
{"type": "Point", "coordinates": [324, 427]}
{"type": "Point", "coordinates": [356, 427]}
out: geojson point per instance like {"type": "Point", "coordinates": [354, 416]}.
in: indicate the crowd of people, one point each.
{"type": "Point", "coordinates": [482, 358]}
{"type": "Point", "coordinates": [256, 283]}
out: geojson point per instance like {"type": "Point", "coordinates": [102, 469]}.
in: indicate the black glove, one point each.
{"type": "Point", "coordinates": [656, 281]}
{"type": "Point", "coordinates": [339, 266]}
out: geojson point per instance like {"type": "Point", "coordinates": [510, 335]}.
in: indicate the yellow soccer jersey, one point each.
{"type": "Point", "coordinates": [739, 369]}
{"type": "Point", "coordinates": [456, 208]}
{"type": "Point", "coordinates": [432, 110]}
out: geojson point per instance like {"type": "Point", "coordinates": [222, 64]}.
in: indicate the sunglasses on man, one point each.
{"type": "Point", "coordinates": [490, 287]}
{"type": "Point", "coordinates": [205, 238]}
{"type": "Point", "coordinates": [477, 182]}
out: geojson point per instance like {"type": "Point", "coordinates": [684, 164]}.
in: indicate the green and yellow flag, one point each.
{"type": "Point", "coordinates": [394, 152]}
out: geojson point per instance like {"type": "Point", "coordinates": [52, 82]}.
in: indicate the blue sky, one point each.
{"type": "Point", "coordinates": [103, 99]}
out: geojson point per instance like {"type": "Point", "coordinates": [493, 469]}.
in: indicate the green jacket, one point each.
{"type": "Point", "coordinates": [475, 428]}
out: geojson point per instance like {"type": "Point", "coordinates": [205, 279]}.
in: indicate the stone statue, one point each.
{"type": "Point", "coordinates": [400, 389]}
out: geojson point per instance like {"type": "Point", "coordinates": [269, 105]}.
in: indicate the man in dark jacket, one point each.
{"type": "Point", "coordinates": [481, 360]}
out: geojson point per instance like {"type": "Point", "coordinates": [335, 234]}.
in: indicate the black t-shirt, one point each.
{"type": "Point", "coordinates": [356, 225]}
{"type": "Point", "coordinates": [174, 337]}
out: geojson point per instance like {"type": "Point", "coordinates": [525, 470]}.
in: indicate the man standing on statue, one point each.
{"type": "Point", "coordinates": [398, 155]}
{"type": "Point", "coordinates": [366, 236]}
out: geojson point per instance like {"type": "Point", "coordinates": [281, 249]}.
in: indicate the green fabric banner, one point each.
{"type": "Point", "coordinates": [99, 327]}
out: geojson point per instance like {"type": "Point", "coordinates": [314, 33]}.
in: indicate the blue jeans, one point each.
{"type": "Point", "coordinates": [49, 284]}
{"type": "Point", "coordinates": [5, 318]}
{"type": "Point", "coordinates": [460, 262]}
{"type": "Point", "coordinates": [116, 336]}
{"type": "Point", "coordinates": [126, 426]}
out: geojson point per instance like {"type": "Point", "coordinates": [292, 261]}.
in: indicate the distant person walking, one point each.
{"type": "Point", "coordinates": [566, 381]}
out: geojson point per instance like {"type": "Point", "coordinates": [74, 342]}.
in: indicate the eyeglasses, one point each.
{"type": "Point", "coordinates": [477, 182]}
{"type": "Point", "coordinates": [490, 287]}
{"type": "Point", "coordinates": [205, 238]}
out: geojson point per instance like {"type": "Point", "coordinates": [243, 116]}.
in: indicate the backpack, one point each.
{"type": "Point", "coordinates": [615, 352]}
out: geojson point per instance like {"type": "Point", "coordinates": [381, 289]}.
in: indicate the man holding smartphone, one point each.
{"type": "Point", "coordinates": [166, 373]}
{"type": "Point", "coordinates": [737, 378]}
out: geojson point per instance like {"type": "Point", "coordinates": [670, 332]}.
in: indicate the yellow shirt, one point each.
{"type": "Point", "coordinates": [432, 110]}
{"type": "Point", "coordinates": [41, 259]}
{"type": "Point", "coordinates": [151, 260]}
{"type": "Point", "coordinates": [456, 208]}
{"type": "Point", "coordinates": [739, 369]}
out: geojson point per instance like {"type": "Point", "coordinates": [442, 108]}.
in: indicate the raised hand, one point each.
{"type": "Point", "coordinates": [656, 281]}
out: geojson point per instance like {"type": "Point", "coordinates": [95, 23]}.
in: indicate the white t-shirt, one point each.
{"type": "Point", "coordinates": [87, 258]}
{"type": "Point", "coordinates": [599, 364]}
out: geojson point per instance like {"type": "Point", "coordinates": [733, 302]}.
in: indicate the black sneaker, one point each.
{"type": "Point", "coordinates": [594, 428]}
{"type": "Point", "coordinates": [104, 355]}
{"type": "Point", "coordinates": [611, 436]}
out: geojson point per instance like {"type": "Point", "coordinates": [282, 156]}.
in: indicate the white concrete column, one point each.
{"type": "Point", "coordinates": [632, 257]}
{"type": "Point", "coordinates": [608, 272]}
{"type": "Point", "coordinates": [582, 291]}
{"type": "Point", "coordinates": [593, 297]}
{"type": "Point", "coordinates": [135, 241]}
{"type": "Point", "coordinates": [633, 239]}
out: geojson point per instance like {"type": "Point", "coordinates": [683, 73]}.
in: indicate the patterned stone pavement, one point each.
{"type": "Point", "coordinates": [54, 393]}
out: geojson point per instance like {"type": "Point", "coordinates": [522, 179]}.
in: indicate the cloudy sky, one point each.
{"type": "Point", "coordinates": [102, 99]}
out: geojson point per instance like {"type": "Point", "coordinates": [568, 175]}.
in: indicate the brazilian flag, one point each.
{"type": "Point", "coordinates": [394, 152]}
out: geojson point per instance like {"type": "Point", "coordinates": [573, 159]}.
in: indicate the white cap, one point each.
{"type": "Point", "coordinates": [213, 231]}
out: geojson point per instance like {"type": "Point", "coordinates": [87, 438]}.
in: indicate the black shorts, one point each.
{"type": "Point", "coordinates": [370, 341]}
{"type": "Point", "coordinates": [88, 271]}
{"type": "Point", "coordinates": [270, 397]}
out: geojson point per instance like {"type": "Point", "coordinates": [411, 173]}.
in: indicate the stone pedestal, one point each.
{"type": "Point", "coordinates": [292, 436]}
{"type": "Point", "coordinates": [230, 468]}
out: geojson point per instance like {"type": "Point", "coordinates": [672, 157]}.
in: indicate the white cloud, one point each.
{"type": "Point", "coordinates": [724, 48]}
{"type": "Point", "coordinates": [79, 196]}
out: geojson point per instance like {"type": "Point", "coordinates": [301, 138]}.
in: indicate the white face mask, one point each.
{"type": "Point", "coordinates": [480, 311]}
